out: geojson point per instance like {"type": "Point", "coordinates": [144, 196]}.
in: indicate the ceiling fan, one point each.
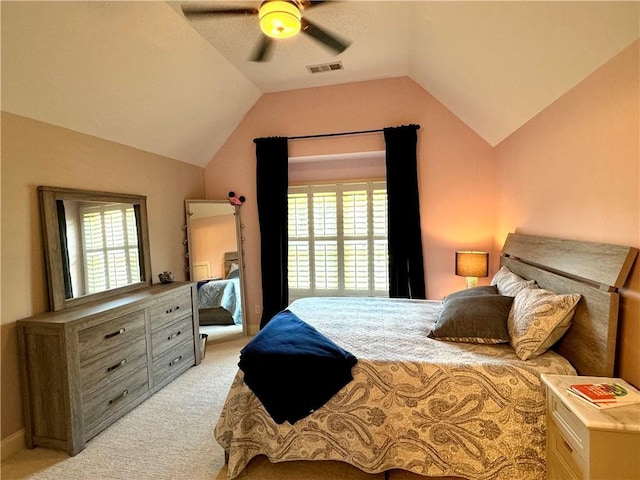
{"type": "Point", "coordinates": [278, 19]}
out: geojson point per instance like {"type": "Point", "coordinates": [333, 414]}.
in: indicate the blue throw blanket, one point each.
{"type": "Point", "coordinates": [293, 369]}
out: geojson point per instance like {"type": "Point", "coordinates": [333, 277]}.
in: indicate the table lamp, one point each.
{"type": "Point", "coordinates": [472, 265]}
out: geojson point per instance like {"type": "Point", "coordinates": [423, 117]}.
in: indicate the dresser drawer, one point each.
{"type": "Point", "coordinates": [114, 333]}
{"type": "Point", "coordinates": [575, 433]}
{"type": "Point", "coordinates": [109, 368]}
{"type": "Point", "coordinates": [108, 401]}
{"type": "Point", "coordinates": [557, 469]}
{"type": "Point", "coordinates": [173, 362]}
{"type": "Point", "coordinates": [560, 453]}
{"type": "Point", "coordinates": [171, 335]}
{"type": "Point", "coordinates": [169, 310]}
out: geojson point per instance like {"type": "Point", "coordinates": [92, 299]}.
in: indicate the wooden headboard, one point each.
{"type": "Point", "coordinates": [229, 259]}
{"type": "Point", "coordinates": [594, 270]}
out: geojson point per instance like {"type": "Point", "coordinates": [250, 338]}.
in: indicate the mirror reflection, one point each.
{"type": "Point", "coordinates": [215, 262]}
{"type": "Point", "coordinates": [101, 241]}
{"type": "Point", "coordinates": [96, 244]}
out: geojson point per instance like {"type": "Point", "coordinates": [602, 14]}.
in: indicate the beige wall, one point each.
{"type": "Point", "coordinates": [574, 172]}
{"type": "Point", "coordinates": [455, 167]}
{"type": "Point", "coordinates": [211, 238]}
{"type": "Point", "coordinates": [35, 153]}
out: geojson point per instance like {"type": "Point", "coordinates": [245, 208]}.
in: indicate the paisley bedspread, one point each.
{"type": "Point", "coordinates": [431, 407]}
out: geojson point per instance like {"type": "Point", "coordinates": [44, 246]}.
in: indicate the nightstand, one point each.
{"type": "Point", "coordinates": [585, 443]}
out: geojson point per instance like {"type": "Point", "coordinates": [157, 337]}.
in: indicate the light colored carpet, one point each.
{"type": "Point", "coordinates": [170, 436]}
{"type": "Point", "coordinates": [221, 333]}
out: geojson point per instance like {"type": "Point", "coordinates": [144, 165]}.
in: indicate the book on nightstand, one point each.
{"type": "Point", "coordinates": [604, 395]}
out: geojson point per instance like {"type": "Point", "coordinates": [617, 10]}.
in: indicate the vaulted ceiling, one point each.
{"type": "Point", "coordinates": [143, 75]}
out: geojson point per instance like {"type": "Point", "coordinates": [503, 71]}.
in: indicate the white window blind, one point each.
{"type": "Point", "coordinates": [110, 246]}
{"type": "Point", "coordinates": [338, 240]}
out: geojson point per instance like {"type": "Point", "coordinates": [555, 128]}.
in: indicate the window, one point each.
{"type": "Point", "coordinates": [338, 240]}
{"type": "Point", "coordinates": [110, 246]}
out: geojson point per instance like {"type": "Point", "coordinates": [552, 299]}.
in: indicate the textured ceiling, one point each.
{"type": "Point", "coordinates": [141, 74]}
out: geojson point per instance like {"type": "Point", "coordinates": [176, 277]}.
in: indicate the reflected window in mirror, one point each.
{"type": "Point", "coordinates": [96, 244]}
{"type": "Point", "coordinates": [106, 245]}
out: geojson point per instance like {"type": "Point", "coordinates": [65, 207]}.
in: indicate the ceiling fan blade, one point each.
{"type": "Point", "coordinates": [208, 12]}
{"type": "Point", "coordinates": [306, 4]}
{"type": "Point", "coordinates": [263, 51]}
{"type": "Point", "coordinates": [323, 36]}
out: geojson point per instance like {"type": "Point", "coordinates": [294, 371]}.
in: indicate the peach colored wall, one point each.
{"type": "Point", "coordinates": [574, 172]}
{"type": "Point", "coordinates": [456, 172]}
{"type": "Point", "coordinates": [212, 237]}
{"type": "Point", "coordinates": [336, 171]}
{"type": "Point", "coordinates": [35, 153]}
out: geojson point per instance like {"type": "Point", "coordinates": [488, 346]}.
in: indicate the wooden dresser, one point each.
{"type": "Point", "coordinates": [85, 367]}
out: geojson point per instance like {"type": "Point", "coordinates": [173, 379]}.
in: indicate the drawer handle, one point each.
{"type": "Point", "coordinates": [567, 446]}
{"type": "Point", "coordinates": [115, 334]}
{"type": "Point", "coordinates": [117, 365]}
{"type": "Point", "coordinates": [119, 397]}
{"type": "Point", "coordinates": [171, 337]}
{"type": "Point", "coordinates": [175, 360]}
{"type": "Point", "coordinates": [171, 310]}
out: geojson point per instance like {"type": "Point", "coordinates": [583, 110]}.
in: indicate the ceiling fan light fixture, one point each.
{"type": "Point", "coordinates": [279, 19]}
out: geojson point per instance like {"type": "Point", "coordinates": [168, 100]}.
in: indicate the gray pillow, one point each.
{"type": "Point", "coordinates": [478, 319]}
{"type": "Point", "coordinates": [473, 292]}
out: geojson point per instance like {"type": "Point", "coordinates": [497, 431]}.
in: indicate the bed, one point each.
{"type": "Point", "coordinates": [439, 408]}
{"type": "Point", "coordinates": [219, 300]}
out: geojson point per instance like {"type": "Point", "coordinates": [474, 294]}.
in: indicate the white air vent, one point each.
{"type": "Point", "coordinates": [325, 67]}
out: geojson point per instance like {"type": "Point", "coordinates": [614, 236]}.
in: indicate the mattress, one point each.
{"type": "Point", "coordinates": [431, 407]}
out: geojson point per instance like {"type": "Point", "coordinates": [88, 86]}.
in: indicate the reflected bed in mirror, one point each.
{"type": "Point", "coordinates": [215, 262]}
{"type": "Point", "coordinates": [96, 244]}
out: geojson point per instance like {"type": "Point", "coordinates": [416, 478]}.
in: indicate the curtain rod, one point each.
{"type": "Point", "coordinates": [339, 134]}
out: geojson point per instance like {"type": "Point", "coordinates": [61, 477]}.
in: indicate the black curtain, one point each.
{"type": "Point", "coordinates": [272, 177]}
{"type": "Point", "coordinates": [64, 249]}
{"type": "Point", "coordinates": [406, 270]}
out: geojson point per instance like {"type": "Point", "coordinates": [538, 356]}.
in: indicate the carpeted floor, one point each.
{"type": "Point", "coordinates": [221, 333]}
{"type": "Point", "coordinates": [170, 437]}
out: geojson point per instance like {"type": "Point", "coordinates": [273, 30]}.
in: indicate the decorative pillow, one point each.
{"type": "Point", "coordinates": [233, 271]}
{"type": "Point", "coordinates": [538, 319]}
{"type": "Point", "coordinates": [473, 292]}
{"type": "Point", "coordinates": [480, 319]}
{"type": "Point", "coordinates": [509, 283]}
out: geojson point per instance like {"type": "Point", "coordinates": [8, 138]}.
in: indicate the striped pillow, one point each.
{"type": "Point", "coordinates": [510, 284]}
{"type": "Point", "coordinates": [538, 319]}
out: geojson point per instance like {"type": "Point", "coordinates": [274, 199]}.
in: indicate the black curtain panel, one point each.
{"type": "Point", "coordinates": [406, 270]}
{"type": "Point", "coordinates": [272, 177]}
{"type": "Point", "coordinates": [64, 249]}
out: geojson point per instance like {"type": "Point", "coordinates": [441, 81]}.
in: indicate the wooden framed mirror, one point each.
{"type": "Point", "coordinates": [215, 258]}
{"type": "Point", "coordinates": [96, 244]}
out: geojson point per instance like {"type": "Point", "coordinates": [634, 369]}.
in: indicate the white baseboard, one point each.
{"type": "Point", "coordinates": [12, 444]}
